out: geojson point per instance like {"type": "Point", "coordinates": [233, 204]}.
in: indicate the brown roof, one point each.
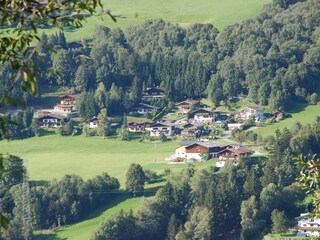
{"type": "Point", "coordinates": [52, 116]}
{"type": "Point", "coordinates": [238, 150]}
{"type": "Point", "coordinates": [189, 102]}
{"type": "Point", "coordinates": [69, 95]}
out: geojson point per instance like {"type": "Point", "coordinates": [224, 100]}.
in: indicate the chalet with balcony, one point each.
{"type": "Point", "coordinates": [190, 129]}
{"type": "Point", "coordinates": [138, 127]}
{"type": "Point", "coordinates": [67, 103]}
{"type": "Point", "coordinates": [159, 128]}
{"type": "Point", "coordinates": [233, 153]}
{"type": "Point", "coordinates": [50, 121]}
{"type": "Point", "coordinates": [154, 92]}
{"type": "Point", "coordinates": [185, 106]}
{"type": "Point", "coordinates": [308, 226]}
{"type": "Point", "coordinates": [204, 115]}
{"type": "Point", "coordinates": [145, 108]}
{"type": "Point", "coordinates": [250, 112]}
{"type": "Point", "coordinates": [193, 150]}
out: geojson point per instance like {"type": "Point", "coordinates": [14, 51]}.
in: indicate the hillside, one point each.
{"type": "Point", "coordinates": [186, 12]}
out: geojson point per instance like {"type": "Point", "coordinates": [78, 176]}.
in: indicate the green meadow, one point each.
{"type": "Point", "coordinates": [183, 12]}
{"type": "Point", "coordinates": [301, 113]}
{"type": "Point", "coordinates": [53, 156]}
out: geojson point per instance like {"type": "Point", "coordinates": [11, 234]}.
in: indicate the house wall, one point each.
{"type": "Point", "coordinates": [156, 131]}
{"type": "Point", "coordinates": [204, 118]}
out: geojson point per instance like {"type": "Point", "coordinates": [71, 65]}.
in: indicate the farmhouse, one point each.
{"type": "Point", "coordinates": [278, 115]}
{"type": "Point", "coordinates": [193, 150]}
{"type": "Point", "coordinates": [67, 103]}
{"type": "Point", "coordinates": [145, 108]}
{"type": "Point", "coordinates": [250, 112]}
{"type": "Point", "coordinates": [154, 92]}
{"type": "Point", "coordinates": [205, 115]}
{"type": "Point", "coordinates": [190, 129]}
{"type": "Point", "coordinates": [233, 153]}
{"type": "Point", "coordinates": [138, 126]}
{"type": "Point", "coordinates": [184, 106]}
{"type": "Point", "coordinates": [50, 120]}
{"type": "Point", "coordinates": [308, 226]}
{"type": "Point", "coordinates": [162, 127]}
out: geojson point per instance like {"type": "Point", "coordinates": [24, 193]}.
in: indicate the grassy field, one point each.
{"type": "Point", "coordinates": [184, 12]}
{"type": "Point", "coordinates": [54, 156]}
{"type": "Point", "coordinates": [301, 113]}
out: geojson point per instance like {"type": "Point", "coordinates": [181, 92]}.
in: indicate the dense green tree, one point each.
{"type": "Point", "coordinates": [279, 222]}
{"type": "Point", "coordinates": [249, 219]}
{"type": "Point", "coordinates": [135, 179]}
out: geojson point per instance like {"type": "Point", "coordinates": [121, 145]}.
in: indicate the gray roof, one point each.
{"type": "Point", "coordinates": [204, 144]}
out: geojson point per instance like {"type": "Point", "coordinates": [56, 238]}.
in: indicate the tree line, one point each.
{"type": "Point", "coordinates": [272, 59]}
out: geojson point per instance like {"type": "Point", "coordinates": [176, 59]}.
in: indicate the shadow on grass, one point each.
{"type": "Point", "coordinates": [48, 236]}
{"type": "Point", "coordinates": [296, 108]}
{"type": "Point", "coordinates": [39, 182]}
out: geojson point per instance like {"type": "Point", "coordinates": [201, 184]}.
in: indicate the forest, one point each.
{"type": "Point", "coordinates": [272, 59]}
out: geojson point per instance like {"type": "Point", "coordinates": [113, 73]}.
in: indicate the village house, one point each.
{"type": "Point", "coordinates": [138, 127]}
{"type": "Point", "coordinates": [205, 115]}
{"type": "Point", "coordinates": [145, 108]}
{"type": "Point", "coordinates": [67, 103]}
{"type": "Point", "coordinates": [185, 106]}
{"type": "Point", "coordinates": [50, 120]}
{"type": "Point", "coordinates": [154, 92]}
{"type": "Point", "coordinates": [190, 129]}
{"type": "Point", "coordinates": [279, 115]}
{"type": "Point", "coordinates": [94, 122]}
{"type": "Point", "coordinates": [308, 226]}
{"type": "Point", "coordinates": [250, 112]}
{"type": "Point", "coordinates": [161, 128]}
{"type": "Point", "coordinates": [233, 153]}
{"type": "Point", "coordinates": [193, 150]}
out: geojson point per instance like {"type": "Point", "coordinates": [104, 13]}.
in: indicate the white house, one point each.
{"type": "Point", "coordinates": [250, 112]}
{"type": "Point", "coordinates": [158, 128]}
{"type": "Point", "coordinates": [193, 150]}
{"type": "Point", "coordinates": [145, 108]}
{"type": "Point", "coordinates": [308, 226]}
{"type": "Point", "coordinates": [51, 120]}
{"type": "Point", "coordinates": [205, 115]}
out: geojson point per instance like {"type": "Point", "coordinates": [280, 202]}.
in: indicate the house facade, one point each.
{"type": "Point", "coordinates": [193, 150]}
{"type": "Point", "coordinates": [157, 129]}
{"type": "Point", "coordinates": [249, 112]}
{"type": "Point", "coordinates": [145, 108]}
{"type": "Point", "coordinates": [233, 153]}
{"type": "Point", "coordinates": [67, 103]}
{"type": "Point", "coordinates": [190, 129]}
{"type": "Point", "coordinates": [205, 116]}
{"type": "Point", "coordinates": [138, 127]}
{"type": "Point", "coordinates": [51, 120]}
{"type": "Point", "coordinates": [307, 226]}
{"type": "Point", "coordinates": [185, 106]}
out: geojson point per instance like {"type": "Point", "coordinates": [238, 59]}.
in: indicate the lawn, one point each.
{"type": "Point", "coordinates": [54, 156]}
{"type": "Point", "coordinates": [84, 229]}
{"type": "Point", "coordinates": [183, 12]}
{"type": "Point", "coordinates": [301, 113]}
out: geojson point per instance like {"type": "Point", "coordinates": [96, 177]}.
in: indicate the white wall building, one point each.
{"type": "Point", "coordinates": [308, 226]}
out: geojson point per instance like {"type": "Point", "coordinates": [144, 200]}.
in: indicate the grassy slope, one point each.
{"type": "Point", "coordinates": [184, 12]}
{"type": "Point", "coordinates": [301, 113]}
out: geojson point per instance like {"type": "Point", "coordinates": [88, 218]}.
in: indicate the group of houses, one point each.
{"type": "Point", "coordinates": [196, 151]}
{"type": "Point", "coordinates": [54, 117]}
